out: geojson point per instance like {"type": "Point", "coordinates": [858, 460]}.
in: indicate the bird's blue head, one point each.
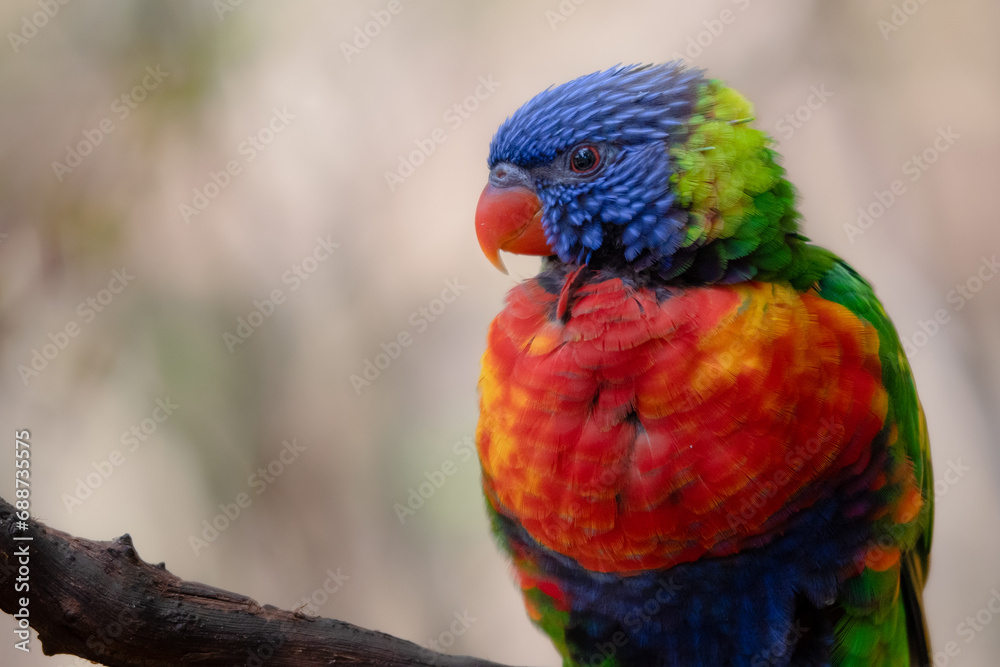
{"type": "Point", "coordinates": [634, 166]}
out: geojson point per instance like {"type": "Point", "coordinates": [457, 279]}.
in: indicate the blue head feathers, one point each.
{"type": "Point", "coordinates": [597, 152]}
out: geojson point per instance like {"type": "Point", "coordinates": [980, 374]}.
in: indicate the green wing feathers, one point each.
{"type": "Point", "coordinates": [883, 620]}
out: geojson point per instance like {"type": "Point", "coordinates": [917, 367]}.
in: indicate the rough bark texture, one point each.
{"type": "Point", "coordinates": [100, 601]}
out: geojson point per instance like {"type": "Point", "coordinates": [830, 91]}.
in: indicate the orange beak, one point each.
{"type": "Point", "coordinates": [510, 219]}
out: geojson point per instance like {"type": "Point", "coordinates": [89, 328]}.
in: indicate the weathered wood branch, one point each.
{"type": "Point", "coordinates": [100, 601]}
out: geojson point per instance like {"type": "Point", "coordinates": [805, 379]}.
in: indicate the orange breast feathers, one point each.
{"type": "Point", "coordinates": [647, 430]}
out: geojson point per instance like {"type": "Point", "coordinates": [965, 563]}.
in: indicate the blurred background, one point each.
{"type": "Point", "coordinates": [238, 272]}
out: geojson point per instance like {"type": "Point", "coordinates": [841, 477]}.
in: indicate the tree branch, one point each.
{"type": "Point", "coordinates": [100, 601]}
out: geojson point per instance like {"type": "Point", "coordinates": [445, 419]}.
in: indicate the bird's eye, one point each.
{"type": "Point", "coordinates": [584, 159]}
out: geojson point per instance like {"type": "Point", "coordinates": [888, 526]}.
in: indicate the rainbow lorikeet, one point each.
{"type": "Point", "coordinates": [700, 439]}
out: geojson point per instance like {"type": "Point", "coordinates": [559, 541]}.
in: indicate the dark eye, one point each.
{"type": "Point", "coordinates": [584, 159]}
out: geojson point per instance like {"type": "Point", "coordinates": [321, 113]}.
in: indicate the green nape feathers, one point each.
{"type": "Point", "coordinates": [740, 206]}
